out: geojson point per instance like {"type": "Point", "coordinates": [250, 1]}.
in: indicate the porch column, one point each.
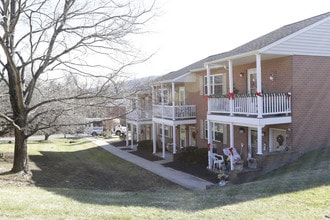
{"type": "Point", "coordinates": [132, 135]}
{"type": "Point", "coordinates": [259, 140]}
{"type": "Point", "coordinates": [259, 87]}
{"type": "Point", "coordinates": [126, 138]}
{"type": "Point", "coordinates": [209, 124]}
{"type": "Point", "coordinates": [137, 132]}
{"type": "Point", "coordinates": [173, 101]}
{"type": "Point", "coordinates": [231, 88]}
{"type": "Point", "coordinates": [163, 140]}
{"type": "Point", "coordinates": [154, 143]}
{"type": "Point", "coordinates": [210, 144]}
{"type": "Point", "coordinates": [174, 139]}
{"type": "Point", "coordinates": [232, 143]}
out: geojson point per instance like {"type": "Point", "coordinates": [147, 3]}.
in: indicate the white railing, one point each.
{"type": "Point", "coordinates": [174, 112]}
{"type": "Point", "coordinates": [273, 103]}
{"type": "Point", "coordinates": [140, 114]}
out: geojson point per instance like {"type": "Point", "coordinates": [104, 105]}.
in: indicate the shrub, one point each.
{"type": "Point", "coordinates": [145, 145]}
{"type": "Point", "coordinates": [194, 155]}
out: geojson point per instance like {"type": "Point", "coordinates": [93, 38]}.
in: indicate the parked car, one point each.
{"type": "Point", "coordinates": [120, 130]}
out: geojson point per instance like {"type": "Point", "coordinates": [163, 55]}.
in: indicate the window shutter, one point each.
{"type": "Point", "coordinates": [201, 85]}
{"type": "Point", "coordinates": [201, 129]}
{"type": "Point", "coordinates": [224, 87]}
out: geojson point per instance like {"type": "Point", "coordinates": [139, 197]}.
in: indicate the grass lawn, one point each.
{"type": "Point", "coordinates": [81, 181]}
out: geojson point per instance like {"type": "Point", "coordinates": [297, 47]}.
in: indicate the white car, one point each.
{"type": "Point", "coordinates": [119, 130]}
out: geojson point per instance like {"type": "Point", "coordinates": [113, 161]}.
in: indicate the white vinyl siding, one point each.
{"type": "Point", "coordinates": [312, 40]}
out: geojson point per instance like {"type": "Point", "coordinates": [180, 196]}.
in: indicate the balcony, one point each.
{"type": "Point", "coordinates": [181, 112]}
{"type": "Point", "coordinates": [247, 104]}
{"type": "Point", "coordinates": [140, 115]}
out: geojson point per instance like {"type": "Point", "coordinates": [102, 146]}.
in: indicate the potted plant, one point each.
{"type": "Point", "coordinates": [252, 163]}
{"type": "Point", "coordinates": [238, 164]}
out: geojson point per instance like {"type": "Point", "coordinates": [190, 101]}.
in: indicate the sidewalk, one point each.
{"type": "Point", "coordinates": [185, 180]}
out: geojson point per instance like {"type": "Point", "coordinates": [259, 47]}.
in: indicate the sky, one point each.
{"type": "Point", "coordinates": [186, 31]}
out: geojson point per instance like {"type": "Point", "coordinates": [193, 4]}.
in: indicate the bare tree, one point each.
{"type": "Point", "coordinates": [84, 45]}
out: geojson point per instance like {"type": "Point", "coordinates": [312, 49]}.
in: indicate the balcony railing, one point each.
{"type": "Point", "coordinates": [246, 104]}
{"type": "Point", "coordinates": [140, 115]}
{"type": "Point", "coordinates": [175, 112]}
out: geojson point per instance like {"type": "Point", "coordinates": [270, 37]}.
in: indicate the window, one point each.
{"type": "Point", "coordinates": [218, 84]}
{"type": "Point", "coordinates": [206, 130]}
{"type": "Point", "coordinates": [218, 131]}
{"type": "Point", "coordinates": [166, 130]}
{"type": "Point", "coordinates": [165, 94]}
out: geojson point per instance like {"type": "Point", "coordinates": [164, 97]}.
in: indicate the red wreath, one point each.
{"type": "Point", "coordinates": [258, 93]}
{"type": "Point", "coordinates": [231, 95]}
{"type": "Point", "coordinates": [231, 151]}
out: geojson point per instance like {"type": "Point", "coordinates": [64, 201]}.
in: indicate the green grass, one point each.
{"type": "Point", "coordinates": [298, 191]}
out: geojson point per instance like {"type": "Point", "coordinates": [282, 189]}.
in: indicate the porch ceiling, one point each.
{"type": "Point", "coordinates": [174, 122]}
{"type": "Point", "coordinates": [244, 59]}
{"type": "Point", "coordinates": [250, 122]}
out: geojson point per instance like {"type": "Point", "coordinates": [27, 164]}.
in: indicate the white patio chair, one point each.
{"type": "Point", "coordinates": [218, 161]}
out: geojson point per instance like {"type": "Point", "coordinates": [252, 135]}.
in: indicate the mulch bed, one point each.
{"type": "Point", "coordinates": [194, 169]}
{"type": "Point", "coordinates": [146, 155]}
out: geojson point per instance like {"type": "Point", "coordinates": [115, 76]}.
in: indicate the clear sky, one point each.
{"type": "Point", "coordinates": [189, 30]}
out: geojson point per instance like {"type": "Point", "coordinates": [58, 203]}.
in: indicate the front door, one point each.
{"type": "Point", "coordinates": [182, 95]}
{"type": "Point", "coordinates": [182, 136]}
{"type": "Point", "coordinates": [192, 137]}
{"type": "Point", "coordinates": [252, 142]}
{"type": "Point", "coordinates": [277, 139]}
{"type": "Point", "coordinates": [252, 81]}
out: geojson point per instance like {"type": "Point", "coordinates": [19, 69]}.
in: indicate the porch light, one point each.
{"type": "Point", "coordinates": [241, 74]}
{"type": "Point", "coordinates": [241, 130]}
{"type": "Point", "coordinates": [271, 77]}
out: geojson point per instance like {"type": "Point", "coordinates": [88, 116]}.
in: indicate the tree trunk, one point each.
{"type": "Point", "coordinates": [20, 153]}
{"type": "Point", "coordinates": [46, 136]}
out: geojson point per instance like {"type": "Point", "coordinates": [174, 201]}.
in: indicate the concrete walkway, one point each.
{"type": "Point", "coordinates": [185, 180]}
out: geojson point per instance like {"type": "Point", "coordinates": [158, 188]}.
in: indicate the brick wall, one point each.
{"type": "Point", "coordinates": [311, 102]}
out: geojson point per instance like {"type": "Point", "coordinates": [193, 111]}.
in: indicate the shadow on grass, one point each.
{"type": "Point", "coordinates": [99, 177]}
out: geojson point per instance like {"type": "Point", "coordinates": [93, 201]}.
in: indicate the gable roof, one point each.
{"type": "Point", "coordinates": [254, 45]}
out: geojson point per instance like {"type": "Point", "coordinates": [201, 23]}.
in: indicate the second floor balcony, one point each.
{"type": "Point", "coordinates": [247, 104]}
{"type": "Point", "coordinates": [140, 115]}
{"type": "Point", "coordinates": [181, 112]}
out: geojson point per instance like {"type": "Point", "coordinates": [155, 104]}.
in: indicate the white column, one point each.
{"type": "Point", "coordinates": [132, 135]}
{"type": "Point", "coordinates": [259, 140]}
{"type": "Point", "coordinates": [209, 124]}
{"type": "Point", "coordinates": [137, 133]}
{"type": "Point", "coordinates": [259, 87]}
{"type": "Point", "coordinates": [163, 140]}
{"type": "Point", "coordinates": [210, 144]}
{"type": "Point", "coordinates": [232, 144]}
{"type": "Point", "coordinates": [154, 142]}
{"type": "Point", "coordinates": [127, 134]}
{"type": "Point", "coordinates": [173, 101]}
{"type": "Point", "coordinates": [231, 87]}
{"type": "Point", "coordinates": [174, 139]}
